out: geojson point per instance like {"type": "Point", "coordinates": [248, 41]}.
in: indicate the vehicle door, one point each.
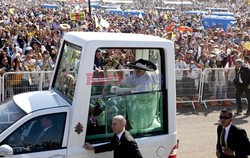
{"type": "Point", "coordinates": [41, 134]}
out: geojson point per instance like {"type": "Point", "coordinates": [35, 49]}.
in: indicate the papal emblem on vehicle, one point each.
{"type": "Point", "coordinates": [78, 128]}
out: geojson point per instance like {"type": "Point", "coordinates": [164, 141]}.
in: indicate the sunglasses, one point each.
{"type": "Point", "coordinates": [224, 117]}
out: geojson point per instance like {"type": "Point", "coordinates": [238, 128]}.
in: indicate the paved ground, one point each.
{"type": "Point", "coordinates": [197, 130]}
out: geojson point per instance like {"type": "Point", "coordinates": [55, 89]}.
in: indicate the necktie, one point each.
{"type": "Point", "coordinates": [116, 140]}
{"type": "Point", "coordinates": [222, 138]}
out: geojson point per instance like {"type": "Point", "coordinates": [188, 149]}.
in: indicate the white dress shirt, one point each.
{"type": "Point", "coordinates": [120, 134]}
{"type": "Point", "coordinates": [226, 132]}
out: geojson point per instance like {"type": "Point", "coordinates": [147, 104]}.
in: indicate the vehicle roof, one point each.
{"type": "Point", "coordinates": [104, 36]}
{"type": "Point", "coordinates": [33, 101]}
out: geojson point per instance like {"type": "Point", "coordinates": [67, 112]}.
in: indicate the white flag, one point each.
{"type": "Point", "coordinates": [104, 23]}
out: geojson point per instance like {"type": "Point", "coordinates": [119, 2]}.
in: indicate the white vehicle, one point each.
{"type": "Point", "coordinates": [82, 101]}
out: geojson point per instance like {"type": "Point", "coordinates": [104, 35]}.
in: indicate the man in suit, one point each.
{"type": "Point", "coordinates": [122, 143]}
{"type": "Point", "coordinates": [232, 141]}
{"type": "Point", "coordinates": [242, 84]}
{"type": "Point", "coordinates": [49, 134]}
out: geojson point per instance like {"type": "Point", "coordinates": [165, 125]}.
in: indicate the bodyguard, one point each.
{"type": "Point", "coordinates": [122, 143]}
{"type": "Point", "coordinates": [232, 142]}
{"type": "Point", "coordinates": [242, 84]}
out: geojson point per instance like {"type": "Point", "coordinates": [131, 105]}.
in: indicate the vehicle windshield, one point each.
{"type": "Point", "coordinates": [9, 113]}
{"type": "Point", "coordinates": [67, 71]}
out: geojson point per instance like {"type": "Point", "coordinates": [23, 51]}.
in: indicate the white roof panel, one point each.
{"type": "Point", "coordinates": [33, 101]}
{"type": "Point", "coordinates": [102, 36]}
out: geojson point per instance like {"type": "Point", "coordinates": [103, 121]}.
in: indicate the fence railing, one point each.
{"type": "Point", "coordinates": [212, 85]}
{"type": "Point", "coordinates": [187, 86]}
{"type": "Point", "coordinates": [218, 85]}
{"type": "Point", "coordinates": [13, 83]}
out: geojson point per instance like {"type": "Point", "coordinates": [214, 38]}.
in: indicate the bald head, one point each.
{"type": "Point", "coordinates": [118, 124]}
{"type": "Point", "coordinates": [120, 119]}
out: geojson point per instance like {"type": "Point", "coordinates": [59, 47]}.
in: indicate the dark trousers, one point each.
{"type": "Point", "coordinates": [225, 156]}
{"type": "Point", "coordinates": [239, 90]}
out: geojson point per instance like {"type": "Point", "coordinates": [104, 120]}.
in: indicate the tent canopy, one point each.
{"type": "Point", "coordinates": [217, 9]}
{"type": "Point", "coordinates": [223, 14]}
{"type": "Point", "coordinates": [178, 3]}
{"type": "Point", "coordinates": [96, 5]}
{"type": "Point", "coordinates": [114, 11]}
{"type": "Point", "coordinates": [165, 9]}
{"type": "Point", "coordinates": [211, 20]}
{"type": "Point", "coordinates": [191, 12]}
{"type": "Point", "coordinates": [133, 12]}
{"type": "Point", "coordinates": [109, 7]}
{"type": "Point", "coordinates": [118, 1]}
{"type": "Point", "coordinates": [51, 6]}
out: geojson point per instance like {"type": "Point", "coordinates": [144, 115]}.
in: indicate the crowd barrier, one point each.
{"type": "Point", "coordinates": [210, 87]}
{"type": "Point", "coordinates": [13, 83]}
{"type": "Point", "coordinates": [217, 86]}
{"type": "Point", "coordinates": [188, 86]}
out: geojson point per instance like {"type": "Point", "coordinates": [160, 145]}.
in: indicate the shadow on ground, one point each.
{"type": "Point", "coordinates": [238, 119]}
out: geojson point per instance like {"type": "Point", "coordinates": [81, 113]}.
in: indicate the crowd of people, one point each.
{"type": "Point", "coordinates": [30, 35]}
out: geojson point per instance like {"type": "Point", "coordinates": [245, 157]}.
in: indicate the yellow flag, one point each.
{"type": "Point", "coordinates": [247, 45]}
{"type": "Point", "coordinates": [165, 17]}
{"type": "Point", "coordinates": [72, 16]}
{"type": "Point", "coordinates": [11, 11]}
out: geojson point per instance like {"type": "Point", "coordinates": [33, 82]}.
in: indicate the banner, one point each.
{"type": "Point", "coordinates": [77, 16]}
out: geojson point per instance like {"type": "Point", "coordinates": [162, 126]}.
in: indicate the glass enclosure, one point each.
{"type": "Point", "coordinates": [127, 82]}
{"type": "Point", "coordinates": [67, 71]}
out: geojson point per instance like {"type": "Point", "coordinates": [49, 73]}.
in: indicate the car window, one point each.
{"type": "Point", "coordinates": [39, 134]}
{"type": "Point", "coordinates": [125, 82]}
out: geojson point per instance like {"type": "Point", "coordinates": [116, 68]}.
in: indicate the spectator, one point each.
{"type": "Point", "coordinates": [32, 26]}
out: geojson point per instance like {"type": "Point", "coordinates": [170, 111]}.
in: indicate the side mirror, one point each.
{"type": "Point", "coordinates": [6, 151]}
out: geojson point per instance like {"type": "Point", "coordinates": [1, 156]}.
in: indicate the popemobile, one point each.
{"type": "Point", "coordinates": [84, 96]}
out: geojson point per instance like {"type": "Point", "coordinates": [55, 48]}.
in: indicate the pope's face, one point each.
{"type": "Point", "coordinates": [139, 72]}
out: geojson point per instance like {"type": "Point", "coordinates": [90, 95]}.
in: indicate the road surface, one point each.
{"type": "Point", "coordinates": [197, 130]}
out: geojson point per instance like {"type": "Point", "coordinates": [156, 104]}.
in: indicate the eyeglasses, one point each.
{"type": "Point", "coordinates": [224, 117]}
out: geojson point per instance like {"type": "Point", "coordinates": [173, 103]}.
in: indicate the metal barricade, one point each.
{"type": "Point", "coordinates": [217, 86]}
{"type": "Point", "coordinates": [187, 86]}
{"type": "Point", "coordinates": [46, 77]}
{"type": "Point", "coordinates": [18, 82]}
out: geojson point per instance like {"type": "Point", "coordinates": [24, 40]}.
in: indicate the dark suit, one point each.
{"type": "Point", "coordinates": [237, 141]}
{"type": "Point", "coordinates": [126, 147]}
{"type": "Point", "coordinates": [244, 74]}
{"type": "Point", "coordinates": [51, 135]}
